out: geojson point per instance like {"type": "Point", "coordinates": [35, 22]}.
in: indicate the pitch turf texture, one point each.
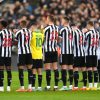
{"type": "Point", "coordinates": [46, 95]}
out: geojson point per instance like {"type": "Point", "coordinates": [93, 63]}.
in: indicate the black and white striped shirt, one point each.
{"type": "Point", "coordinates": [92, 42]}
{"type": "Point", "coordinates": [79, 40]}
{"type": "Point", "coordinates": [5, 43]}
{"type": "Point", "coordinates": [67, 40]}
{"type": "Point", "coordinates": [51, 35]}
{"type": "Point", "coordinates": [23, 37]}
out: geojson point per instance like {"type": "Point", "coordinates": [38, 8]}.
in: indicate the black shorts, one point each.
{"type": "Point", "coordinates": [66, 59]}
{"type": "Point", "coordinates": [24, 59]}
{"type": "Point", "coordinates": [5, 61]}
{"type": "Point", "coordinates": [50, 57]}
{"type": "Point", "coordinates": [91, 61]}
{"type": "Point", "coordinates": [37, 63]}
{"type": "Point", "coordinates": [79, 62]}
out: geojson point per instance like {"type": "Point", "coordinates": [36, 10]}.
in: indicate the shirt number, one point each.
{"type": "Point", "coordinates": [38, 42]}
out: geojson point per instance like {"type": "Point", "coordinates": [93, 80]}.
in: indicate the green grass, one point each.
{"type": "Point", "coordinates": [49, 95]}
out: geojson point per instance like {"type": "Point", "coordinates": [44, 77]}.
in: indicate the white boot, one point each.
{"type": "Point", "coordinates": [2, 89]}
{"type": "Point", "coordinates": [8, 89]}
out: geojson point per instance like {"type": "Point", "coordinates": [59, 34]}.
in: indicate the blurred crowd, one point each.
{"type": "Point", "coordinates": [79, 11]}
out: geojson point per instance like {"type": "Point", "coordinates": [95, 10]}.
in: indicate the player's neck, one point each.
{"type": "Point", "coordinates": [66, 24]}
{"type": "Point", "coordinates": [23, 26]}
{"type": "Point", "coordinates": [51, 23]}
{"type": "Point", "coordinates": [91, 27]}
{"type": "Point", "coordinates": [3, 28]}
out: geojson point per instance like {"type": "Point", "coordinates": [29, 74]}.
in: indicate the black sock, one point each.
{"type": "Point", "coordinates": [90, 77]}
{"type": "Point", "coordinates": [9, 77]}
{"type": "Point", "coordinates": [98, 70]}
{"type": "Point", "coordinates": [33, 80]}
{"type": "Point", "coordinates": [64, 76]}
{"type": "Point", "coordinates": [99, 77]}
{"type": "Point", "coordinates": [39, 80]}
{"type": "Point", "coordinates": [84, 78]}
{"type": "Point", "coordinates": [95, 76]}
{"type": "Point", "coordinates": [21, 77]}
{"type": "Point", "coordinates": [1, 77]}
{"type": "Point", "coordinates": [56, 75]}
{"type": "Point", "coordinates": [76, 78]}
{"type": "Point", "coordinates": [48, 77]}
{"type": "Point", "coordinates": [30, 76]}
{"type": "Point", "coordinates": [71, 76]}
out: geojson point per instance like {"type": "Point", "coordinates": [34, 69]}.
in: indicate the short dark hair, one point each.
{"type": "Point", "coordinates": [23, 22]}
{"type": "Point", "coordinates": [66, 18]}
{"type": "Point", "coordinates": [90, 23]}
{"type": "Point", "coordinates": [72, 24]}
{"type": "Point", "coordinates": [4, 23]}
{"type": "Point", "coordinates": [52, 18]}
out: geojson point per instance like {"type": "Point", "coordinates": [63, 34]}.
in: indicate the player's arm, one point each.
{"type": "Point", "coordinates": [60, 35]}
{"type": "Point", "coordinates": [32, 34]}
{"type": "Point", "coordinates": [73, 38]}
{"type": "Point", "coordinates": [17, 34]}
{"type": "Point", "coordinates": [43, 37]}
{"type": "Point", "coordinates": [15, 37]}
{"type": "Point", "coordinates": [84, 31]}
{"type": "Point", "coordinates": [14, 42]}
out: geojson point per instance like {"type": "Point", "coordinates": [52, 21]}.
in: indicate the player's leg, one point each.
{"type": "Point", "coordinates": [48, 75]}
{"type": "Point", "coordinates": [47, 66]}
{"type": "Point", "coordinates": [56, 75]}
{"type": "Point", "coordinates": [9, 77]}
{"type": "Point", "coordinates": [21, 79]}
{"type": "Point", "coordinates": [70, 75]}
{"type": "Point", "coordinates": [1, 74]}
{"type": "Point", "coordinates": [76, 78]}
{"type": "Point", "coordinates": [39, 71]}
{"type": "Point", "coordinates": [90, 77]}
{"type": "Point", "coordinates": [33, 79]}
{"type": "Point", "coordinates": [28, 62]}
{"type": "Point", "coordinates": [1, 78]}
{"type": "Point", "coordinates": [84, 74]}
{"type": "Point", "coordinates": [76, 72]}
{"type": "Point", "coordinates": [64, 77]}
{"type": "Point", "coordinates": [70, 67]}
{"type": "Point", "coordinates": [98, 70]}
{"type": "Point", "coordinates": [89, 71]}
{"type": "Point", "coordinates": [54, 59]}
{"type": "Point", "coordinates": [21, 64]}
{"type": "Point", "coordinates": [63, 72]}
{"type": "Point", "coordinates": [34, 70]}
{"type": "Point", "coordinates": [9, 74]}
{"type": "Point", "coordinates": [95, 72]}
{"type": "Point", "coordinates": [30, 76]}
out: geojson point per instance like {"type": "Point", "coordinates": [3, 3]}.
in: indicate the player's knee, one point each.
{"type": "Point", "coordinates": [1, 67]}
{"type": "Point", "coordinates": [20, 67]}
{"type": "Point", "coordinates": [95, 69]}
{"type": "Point", "coordinates": [8, 68]}
{"type": "Point", "coordinates": [29, 66]}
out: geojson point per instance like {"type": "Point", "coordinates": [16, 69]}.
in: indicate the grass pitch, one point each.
{"type": "Point", "coordinates": [46, 95]}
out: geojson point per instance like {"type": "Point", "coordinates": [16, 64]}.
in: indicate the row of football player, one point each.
{"type": "Point", "coordinates": [30, 53]}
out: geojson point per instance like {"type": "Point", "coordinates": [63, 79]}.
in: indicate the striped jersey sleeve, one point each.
{"type": "Point", "coordinates": [66, 34]}
{"type": "Point", "coordinates": [5, 43]}
{"type": "Point", "coordinates": [50, 41]}
{"type": "Point", "coordinates": [23, 37]}
{"type": "Point", "coordinates": [92, 42]}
